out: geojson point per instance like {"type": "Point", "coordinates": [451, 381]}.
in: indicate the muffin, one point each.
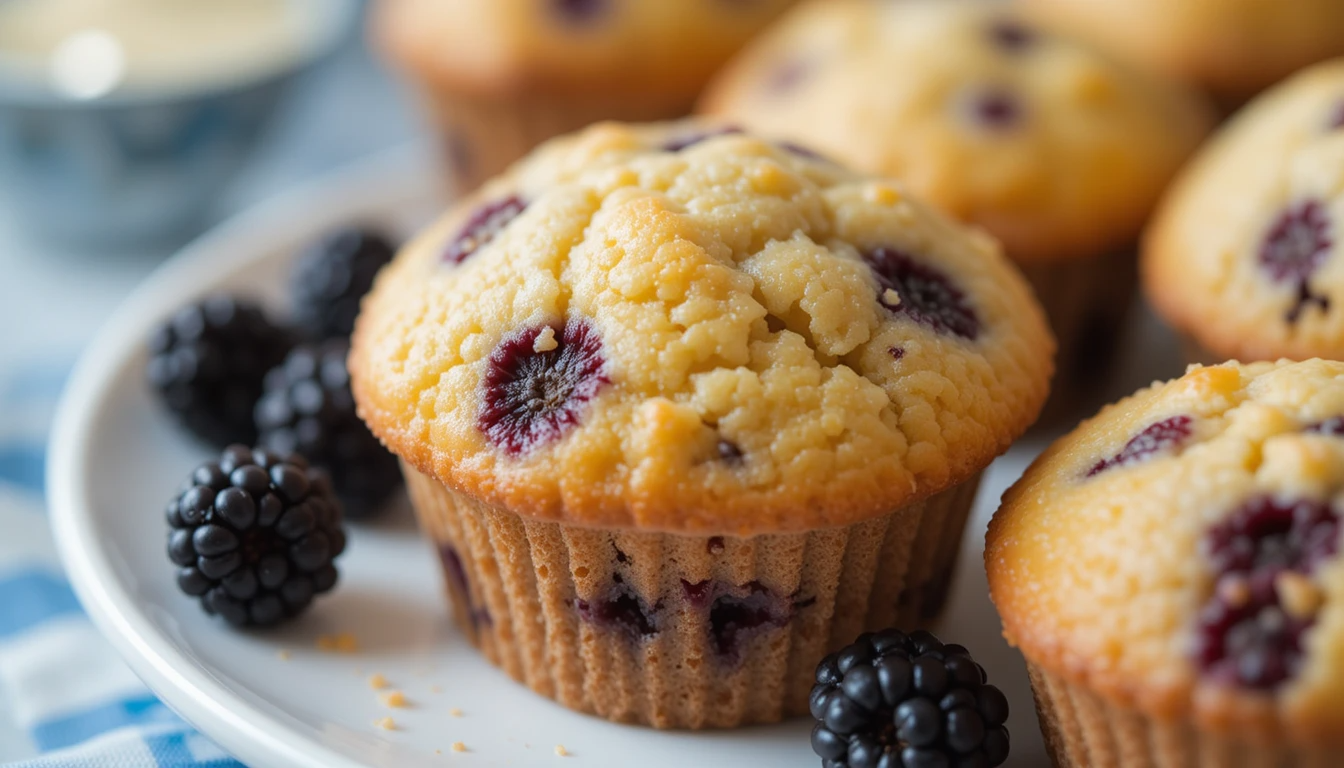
{"type": "Point", "coordinates": [1056, 151]}
{"type": "Point", "coordinates": [499, 76]}
{"type": "Point", "coordinates": [1171, 572]}
{"type": "Point", "coordinates": [685, 410]}
{"type": "Point", "coordinates": [1245, 257]}
{"type": "Point", "coordinates": [1231, 48]}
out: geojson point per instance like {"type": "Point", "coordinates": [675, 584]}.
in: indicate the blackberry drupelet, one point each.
{"type": "Point", "coordinates": [254, 536]}
{"type": "Point", "coordinates": [208, 361]}
{"type": "Point", "coordinates": [308, 409]}
{"type": "Point", "coordinates": [895, 701]}
{"type": "Point", "coordinates": [331, 277]}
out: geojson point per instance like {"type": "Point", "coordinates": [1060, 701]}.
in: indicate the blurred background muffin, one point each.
{"type": "Point", "coordinates": [1232, 48]}
{"type": "Point", "coordinates": [1054, 149]}
{"type": "Point", "coordinates": [499, 76]}
{"type": "Point", "coordinates": [1245, 257]}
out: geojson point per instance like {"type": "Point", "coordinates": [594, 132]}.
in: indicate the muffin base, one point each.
{"type": "Point", "coordinates": [1083, 729]}
{"type": "Point", "coordinates": [483, 136]}
{"type": "Point", "coordinates": [1087, 302]}
{"type": "Point", "coordinates": [683, 631]}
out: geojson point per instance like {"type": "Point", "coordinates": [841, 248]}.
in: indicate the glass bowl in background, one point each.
{"type": "Point", "coordinates": [88, 157]}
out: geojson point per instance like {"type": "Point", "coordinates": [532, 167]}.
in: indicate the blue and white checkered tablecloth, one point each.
{"type": "Point", "coordinates": [66, 699]}
{"type": "Point", "coordinates": [62, 684]}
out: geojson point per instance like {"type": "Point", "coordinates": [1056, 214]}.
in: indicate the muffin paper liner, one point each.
{"type": "Point", "coordinates": [1086, 302]}
{"type": "Point", "coordinates": [1084, 730]}
{"type": "Point", "coordinates": [739, 623]}
{"type": "Point", "coordinates": [483, 136]}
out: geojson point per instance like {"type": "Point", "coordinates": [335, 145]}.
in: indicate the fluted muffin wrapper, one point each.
{"type": "Point", "coordinates": [1085, 730]}
{"type": "Point", "coordinates": [530, 595]}
{"type": "Point", "coordinates": [1086, 301]}
{"type": "Point", "coordinates": [482, 136]}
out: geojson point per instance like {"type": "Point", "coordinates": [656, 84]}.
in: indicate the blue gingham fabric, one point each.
{"type": "Point", "coordinates": [62, 684]}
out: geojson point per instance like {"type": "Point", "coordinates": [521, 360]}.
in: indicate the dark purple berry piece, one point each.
{"type": "Point", "coordinates": [246, 560]}
{"type": "Point", "coordinates": [1336, 120]}
{"type": "Point", "coordinates": [579, 11]}
{"type": "Point", "coordinates": [1295, 246]}
{"type": "Point", "coordinates": [1332, 427]}
{"type": "Point", "coordinates": [1011, 35]}
{"type": "Point", "coordinates": [1244, 636]}
{"type": "Point", "coordinates": [739, 615]}
{"type": "Point", "coordinates": [728, 452]}
{"type": "Point", "coordinates": [896, 352]}
{"type": "Point", "coordinates": [530, 398]}
{"type": "Point", "coordinates": [889, 700]}
{"type": "Point", "coordinates": [1164, 435]}
{"type": "Point", "coordinates": [927, 295]}
{"type": "Point", "coordinates": [995, 109]}
{"type": "Point", "coordinates": [691, 139]}
{"type": "Point", "coordinates": [621, 610]}
{"type": "Point", "coordinates": [483, 227]}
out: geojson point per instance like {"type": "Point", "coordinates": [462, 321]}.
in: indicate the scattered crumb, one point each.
{"type": "Point", "coordinates": [386, 723]}
{"type": "Point", "coordinates": [545, 340]}
{"type": "Point", "coordinates": [455, 712]}
{"type": "Point", "coordinates": [282, 654]}
{"type": "Point", "coordinates": [377, 682]}
{"type": "Point", "coordinates": [342, 642]}
{"type": "Point", "coordinates": [891, 298]}
{"type": "Point", "coordinates": [438, 751]}
{"type": "Point", "coordinates": [436, 689]}
{"type": "Point", "coordinates": [458, 746]}
{"type": "Point", "coordinates": [560, 751]}
{"type": "Point", "coordinates": [394, 699]}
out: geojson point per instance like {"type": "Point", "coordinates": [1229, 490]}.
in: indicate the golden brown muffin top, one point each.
{"type": "Point", "coordinates": [1054, 149]}
{"type": "Point", "coordinates": [1246, 253]}
{"type": "Point", "coordinates": [1174, 551]}
{"type": "Point", "coordinates": [495, 47]}
{"type": "Point", "coordinates": [676, 329]}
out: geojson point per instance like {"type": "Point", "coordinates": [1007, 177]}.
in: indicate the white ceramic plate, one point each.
{"type": "Point", "coordinates": [272, 698]}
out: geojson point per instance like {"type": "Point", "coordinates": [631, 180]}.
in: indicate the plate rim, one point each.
{"type": "Point", "coordinates": [241, 729]}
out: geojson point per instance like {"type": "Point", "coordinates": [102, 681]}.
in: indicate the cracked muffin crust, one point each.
{"type": "Point", "coordinates": [729, 337]}
{"type": "Point", "coordinates": [1233, 48]}
{"type": "Point", "coordinates": [1171, 572]}
{"type": "Point", "coordinates": [1050, 147]}
{"type": "Point", "coordinates": [1246, 253]}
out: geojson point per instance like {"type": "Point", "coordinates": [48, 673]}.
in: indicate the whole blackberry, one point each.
{"type": "Point", "coordinates": [208, 361]}
{"type": "Point", "coordinates": [254, 535]}
{"type": "Point", "coordinates": [896, 701]}
{"type": "Point", "coordinates": [331, 277]}
{"type": "Point", "coordinates": [308, 409]}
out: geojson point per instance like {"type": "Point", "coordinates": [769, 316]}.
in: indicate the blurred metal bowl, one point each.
{"type": "Point", "coordinates": [145, 165]}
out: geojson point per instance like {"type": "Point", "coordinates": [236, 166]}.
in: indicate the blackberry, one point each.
{"type": "Point", "coordinates": [538, 382]}
{"type": "Point", "coordinates": [254, 535]}
{"type": "Point", "coordinates": [895, 701]}
{"type": "Point", "coordinates": [208, 361]}
{"type": "Point", "coordinates": [1168, 434]}
{"type": "Point", "coordinates": [928, 296]}
{"type": "Point", "coordinates": [331, 277]}
{"type": "Point", "coordinates": [1295, 248]}
{"type": "Point", "coordinates": [307, 408]}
